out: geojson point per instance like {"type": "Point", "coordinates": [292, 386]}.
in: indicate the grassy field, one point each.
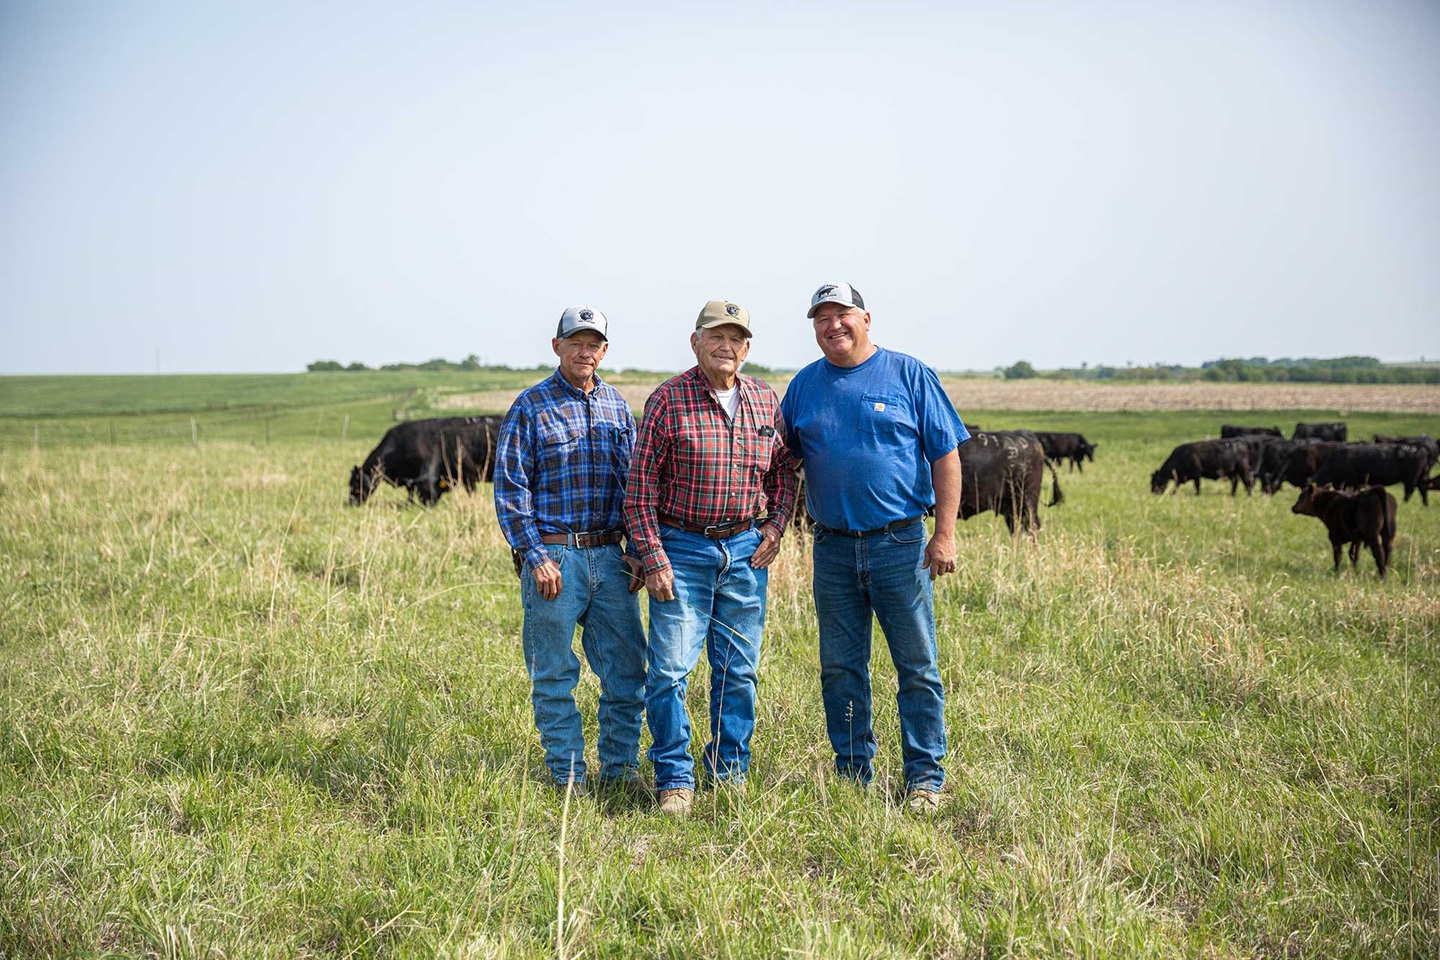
{"type": "Point", "coordinates": [238, 718]}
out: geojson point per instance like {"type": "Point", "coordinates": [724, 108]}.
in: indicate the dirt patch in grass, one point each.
{"type": "Point", "coordinates": [985, 394]}
{"type": "Point", "coordinates": [1085, 395]}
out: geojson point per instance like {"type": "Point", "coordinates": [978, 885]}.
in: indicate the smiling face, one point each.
{"type": "Point", "coordinates": [720, 351]}
{"type": "Point", "coordinates": [579, 356]}
{"type": "Point", "coordinates": [843, 334]}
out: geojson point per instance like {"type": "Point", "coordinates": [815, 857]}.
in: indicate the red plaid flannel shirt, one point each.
{"type": "Point", "coordinates": [694, 464]}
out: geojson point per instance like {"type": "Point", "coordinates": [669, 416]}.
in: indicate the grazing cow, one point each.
{"type": "Point", "coordinates": [428, 457]}
{"type": "Point", "coordinates": [1228, 431]}
{"type": "Point", "coordinates": [1293, 462]}
{"type": "Point", "coordinates": [1336, 431]}
{"type": "Point", "coordinates": [1366, 517]}
{"type": "Point", "coordinates": [1002, 470]}
{"type": "Point", "coordinates": [1207, 459]}
{"type": "Point", "coordinates": [1354, 465]}
{"type": "Point", "coordinates": [1066, 446]}
{"type": "Point", "coordinates": [1424, 441]}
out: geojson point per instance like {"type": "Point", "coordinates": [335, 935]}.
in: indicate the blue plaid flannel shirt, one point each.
{"type": "Point", "coordinates": [561, 463]}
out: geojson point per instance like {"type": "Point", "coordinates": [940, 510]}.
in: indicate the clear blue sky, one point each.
{"type": "Point", "coordinates": [249, 187]}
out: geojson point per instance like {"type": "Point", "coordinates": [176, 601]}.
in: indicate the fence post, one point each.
{"type": "Point", "coordinates": [112, 433]}
{"type": "Point", "coordinates": [194, 433]}
{"type": "Point", "coordinates": [267, 431]}
{"type": "Point", "coordinates": [344, 429]}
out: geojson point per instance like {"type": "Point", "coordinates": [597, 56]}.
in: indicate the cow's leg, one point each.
{"type": "Point", "coordinates": [1354, 553]}
{"type": "Point", "coordinates": [1377, 550]}
{"type": "Point", "coordinates": [1197, 487]}
{"type": "Point", "coordinates": [1079, 464]}
{"type": "Point", "coordinates": [1336, 543]}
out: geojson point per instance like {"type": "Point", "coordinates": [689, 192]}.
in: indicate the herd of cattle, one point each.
{"type": "Point", "coordinates": [1003, 470]}
{"type": "Point", "coordinates": [1319, 459]}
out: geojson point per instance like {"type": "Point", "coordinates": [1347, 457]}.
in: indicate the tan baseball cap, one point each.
{"type": "Point", "coordinates": [718, 313]}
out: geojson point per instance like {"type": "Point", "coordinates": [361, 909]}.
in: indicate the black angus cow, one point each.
{"type": "Point", "coordinates": [1002, 470]}
{"type": "Point", "coordinates": [1354, 465]}
{"type": "Point", "coordinates": [1229, 431]}
{"type": "Point", "coordinates": [1066, 446]}
{"type": "Point", "coordinates": [428, 457]}
{"type": "Point", "coordinates": [1424, 441]}
{"type": "Point", "coordinates": [1298, 461]}
{"type": "Point", "coordinates": [1366, 517]}
{"type": "Point", "coordinates": [1207, 459]}
{"type": "Point", "coordinates": [1336, 431]}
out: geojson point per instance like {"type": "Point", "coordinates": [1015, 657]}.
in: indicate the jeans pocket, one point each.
{"type": "Point", "coordinates": [908, 536]}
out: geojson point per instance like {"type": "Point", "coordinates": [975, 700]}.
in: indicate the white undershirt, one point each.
{"type": "Point", "coordinates": [729, 400]}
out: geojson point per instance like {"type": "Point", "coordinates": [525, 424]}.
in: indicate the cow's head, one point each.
{"type": "Point", "coordinates": [1159, 480]}
{"type": "Point", "coordinates": [1087, 450]}
{"type": "Point", "coordinates": [1306, 503]}
{"type": "Point", "coordinates": [360, 486]}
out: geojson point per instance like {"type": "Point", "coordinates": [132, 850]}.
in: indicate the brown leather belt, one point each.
{"type": "Point", "coordinates": [715, 531]}
{"type": "Point", "coordinates": [595, 538]}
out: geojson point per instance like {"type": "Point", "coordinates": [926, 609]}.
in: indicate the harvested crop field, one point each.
{"type": "Point", "coordinates": [969, 393]}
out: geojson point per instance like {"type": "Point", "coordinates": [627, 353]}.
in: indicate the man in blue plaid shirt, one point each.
{"type": "Point", "coordinates": [560, 470]}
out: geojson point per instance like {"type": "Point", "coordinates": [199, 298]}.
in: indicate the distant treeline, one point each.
{"type": "Point", "coordinates": [471, 363]}
{"type": "Point", "coordinates": [1251, 370]}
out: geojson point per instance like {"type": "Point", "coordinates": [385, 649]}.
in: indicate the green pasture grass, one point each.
{"type": "Point", "coordinates": [239, 718]}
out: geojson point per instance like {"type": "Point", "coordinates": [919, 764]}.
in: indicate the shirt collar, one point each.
{"type": "Point", "coordinates": [572, 390]}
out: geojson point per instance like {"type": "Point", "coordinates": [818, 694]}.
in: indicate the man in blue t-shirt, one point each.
{"type": "Point", "coordinates": [878, 437]}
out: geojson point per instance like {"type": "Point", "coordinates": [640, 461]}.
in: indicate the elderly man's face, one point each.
{"type": "Point", "coordinates": [720, 351]}
{"type": "Point", "coordinates": [843, 333]}
{"type": "Point", "coordinates": [579, 356]}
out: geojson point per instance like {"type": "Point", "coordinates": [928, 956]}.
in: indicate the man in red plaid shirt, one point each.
{"type": "Point", "coordinates": [711, 489]}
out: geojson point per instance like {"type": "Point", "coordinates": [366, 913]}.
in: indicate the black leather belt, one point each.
{"type": "Point", "coordinates": [715, 531]}
{"type": "Point", "coordinates": [595, 538]}
{"type": "Point", "coordinates": [859, 534]}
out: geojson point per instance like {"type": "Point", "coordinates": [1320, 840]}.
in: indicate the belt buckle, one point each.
{"type": "Point", "coordinates": [585, 541]}
{"type": "Point", "coordinates": [713, 530]}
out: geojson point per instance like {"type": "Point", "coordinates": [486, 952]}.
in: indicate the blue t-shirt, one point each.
{"type": "Point", "coordinates": [868, 435]}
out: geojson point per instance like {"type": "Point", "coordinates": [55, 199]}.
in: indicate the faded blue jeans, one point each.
{"type": "Point", "coordinates": [884, 575]}
{"type": "Point", "coordinates": [593, 595]}
{"type": "Point", "coordinates": [719, 605]}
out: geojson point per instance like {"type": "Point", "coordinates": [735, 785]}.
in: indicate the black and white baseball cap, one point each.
{"type": "Point", "coordinates": [575, 319]}
{"type": "Point", "coordinates": [841, 293]}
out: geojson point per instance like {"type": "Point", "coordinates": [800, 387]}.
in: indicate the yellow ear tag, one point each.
{"type": "Point", "coordinates": [879, 407]}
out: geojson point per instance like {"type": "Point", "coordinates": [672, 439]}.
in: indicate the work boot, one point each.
{"type": "Point", "coordinates": [924, 802]}
{"type": "Point", "coordinates": [676, 801]}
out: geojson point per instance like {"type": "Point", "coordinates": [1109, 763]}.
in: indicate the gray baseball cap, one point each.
{"type": "Point", "coordinates": [575, 319]}
{"type": "Point", "coordinates": [841, 293]}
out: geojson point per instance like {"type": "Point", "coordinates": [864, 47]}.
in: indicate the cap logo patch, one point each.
{"type": "Point", "coordinates": [731, 309]}
{"type": "Point", "coordinates": [823, 292]}
{"type": "Point", "coordinates": [587, 315]}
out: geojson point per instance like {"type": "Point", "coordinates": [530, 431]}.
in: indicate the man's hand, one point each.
{"type": "Point", "coordinates": [660, 585]}
{"type": "Point", "coordinates": [768, 549]}
{"type": "Point", "coordinates": [547, 579]}
{"type": "Point", "coordinates": [940, 553]}
{"type": "Point", "coordinates": [635, 579]}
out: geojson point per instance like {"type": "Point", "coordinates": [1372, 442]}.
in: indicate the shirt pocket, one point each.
{"type": "Point", "coordinates": [884, 417]}
{"type": "Point", "coordinates": [558, 449]}
{"type": "Point", "coordinates": [612, 441]}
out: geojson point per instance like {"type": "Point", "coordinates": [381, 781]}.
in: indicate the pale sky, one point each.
{"type": "Point", "coordinates": [250, 187]}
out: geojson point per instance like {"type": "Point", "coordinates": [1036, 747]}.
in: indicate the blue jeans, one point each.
{"type": "Point", "coordinates": [720, 604]}
{"type": "Point", "coordinates": [594, 595]}
{"type": "Point", "coordinates": [883, 575]}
